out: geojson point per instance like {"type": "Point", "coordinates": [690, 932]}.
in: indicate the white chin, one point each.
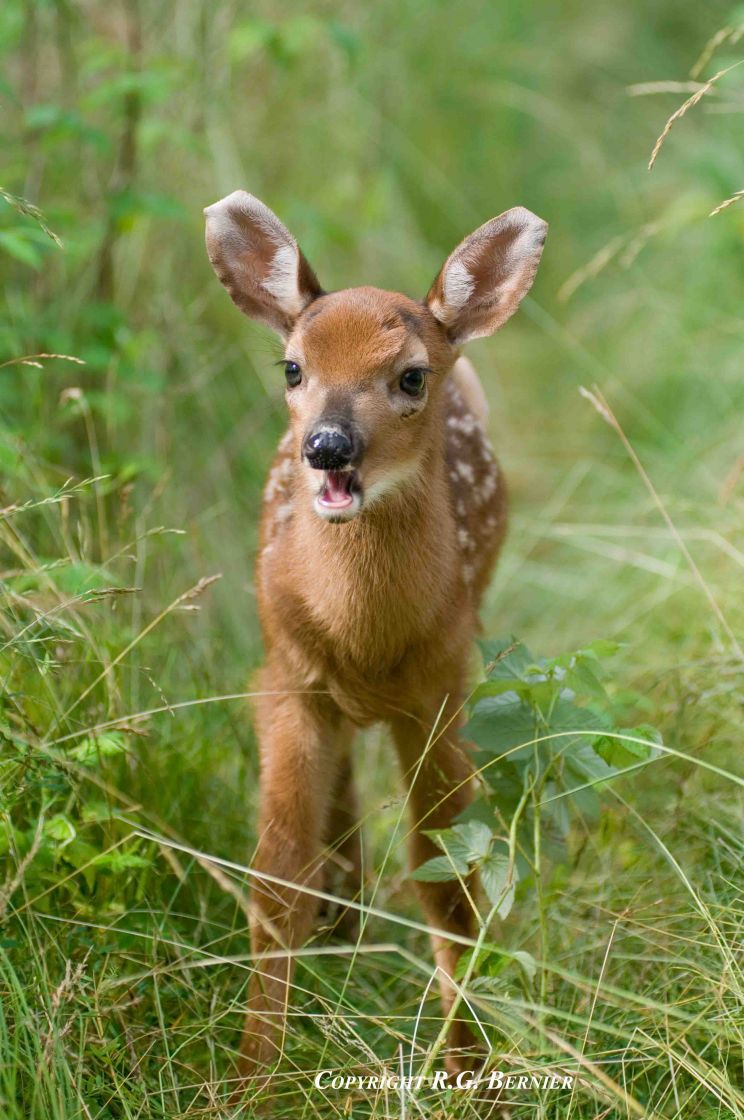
{"type": "Point", "coordinates": [339, 513]}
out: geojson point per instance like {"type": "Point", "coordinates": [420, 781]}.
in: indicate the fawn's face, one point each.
{"type": "Point", "coordinates": [365, 368]}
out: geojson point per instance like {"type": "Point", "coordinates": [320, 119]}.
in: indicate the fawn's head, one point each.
{"type": "Point", "coordinates": [365, 367]}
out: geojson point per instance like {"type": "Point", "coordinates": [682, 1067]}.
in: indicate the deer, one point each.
{"type": "Point", "coordinates": [382, 519]}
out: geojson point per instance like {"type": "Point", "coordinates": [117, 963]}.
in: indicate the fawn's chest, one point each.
{"type": "Point", "coordinates": [359, 597]}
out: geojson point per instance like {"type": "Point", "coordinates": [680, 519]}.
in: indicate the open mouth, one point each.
{"type": "Point", "coordinates": [339, 494]}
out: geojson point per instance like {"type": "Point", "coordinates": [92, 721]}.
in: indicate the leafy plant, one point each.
{"type": "Point", "coordinates": [548, 741]}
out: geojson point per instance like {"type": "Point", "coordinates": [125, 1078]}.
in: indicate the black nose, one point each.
{"type": "Point", "coordinates": [329, 447]}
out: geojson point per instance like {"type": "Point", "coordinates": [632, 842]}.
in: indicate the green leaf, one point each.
{"type": "Point", "coordinates": [92, 750]}
{"type": "Point", "coordinates": [476, 838]}
{"type": "Point", "coordinates": [584, 680]}
{"type": "Point", "coordinates": [464, 842]}
{"type": "Point", "coordinates": [499, 724]}
{"type": "Point", "coordinates": [499, 888]}
{"type": "Point", "coordinates": [571, 723]}
{"type": "Point", "coordinates": [584, 761]}
{"type": "Point", "coordinates": [556, 804]}
{"type": "Point", "coordinates": [119, 861]}
{"type": "Point", "coordinates": [506, 659]}
{"type": "Point", "coordinates": [621, 753]}
{"type": "Point", "coordinates": [61, 829]}
{"type": "Point", "coordinates": [492, 961]}
{"type": "Point", "coordinates": [601, 648]}
{"type": "Point", "coordinates": [441, 869]}
{"type": "Point", "coordinates": [527, 963]}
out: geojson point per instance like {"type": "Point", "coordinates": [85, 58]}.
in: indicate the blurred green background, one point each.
{"type": "Point", "coordinates": [381, 134]}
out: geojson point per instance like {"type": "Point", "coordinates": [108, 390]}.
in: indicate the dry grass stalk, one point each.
{"type": "Point", "coordinates": [599, 402]}
{"type": "Point", "coordinates": [735, 197]}
{"type": "Point", "coordinates": [643, 89]}
{"type": "Point", "coordinates": [13, 882]}
{"type": "Point", "coordinates": [33, 360]}
{"type": "Point", "coordinates": [689, 104]}
{"type": "Point", "coordinates": [731, 34]}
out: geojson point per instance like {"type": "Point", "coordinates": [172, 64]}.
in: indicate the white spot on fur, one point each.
{"type": "Point", "coordinates": [465, 540]}
{"type": "Point", "coordinates": [487, 488]}
{"type": "Point", "coordinates": [466, 423]}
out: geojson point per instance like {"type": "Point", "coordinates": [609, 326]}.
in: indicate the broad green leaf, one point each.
{"type": "Point", "coordinates": [499, 724]}
{"type": "Point", "coordinates": [476, 837]}
{"type": "Point", "coordinates": [557, 807]}
{"type": "Point", "coordinates": [448, 840]}
{"type": "Point", "coordinates": [506, 659]}
{"type": "Point", "coordinates": [494, 873]}
{"type": "Point", "coordinates": [119, 861]}
{"type": "Point", "coordinates": [567, 718]}
{"type": "Point", "coordinates": [91, 750]}
{"type": "Point", "coordinates": [527, 962]}
{"type": "Point", "coordinates": [584, 762]}
{"type": "Point", "coordinates": [584, 802]}
{"type": "Point", "coordinates": [601, 648]}
{"type": "Point", "coordinates": [463, 842]}
{"type": "Point", "coordinates": [61, 829]}
{"type": "Point", "coordinates": [582, 678]}
{"type": "Point", "coordinates": [441, 869]}
{"type": "Point", "coordinates": [621, 753]}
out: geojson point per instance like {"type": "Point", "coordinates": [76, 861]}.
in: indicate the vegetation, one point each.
{"type": "Point", "coordinates": [138, 415]}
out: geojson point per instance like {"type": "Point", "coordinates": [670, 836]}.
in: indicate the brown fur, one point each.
{"type": "Point", "coordinates": [372, 619]}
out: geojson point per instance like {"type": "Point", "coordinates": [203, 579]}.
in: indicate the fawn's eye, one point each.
{"type": "Point", "coordinates": [293, 373]}
{"type": "Point", "coordinates": [413, 381]}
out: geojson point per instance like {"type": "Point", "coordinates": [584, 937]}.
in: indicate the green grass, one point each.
{"type": "Point", "coordinates": [381, 134]}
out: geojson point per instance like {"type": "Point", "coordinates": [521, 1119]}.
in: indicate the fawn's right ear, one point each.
{"type": "Point", "coordinates": [259, 261]}
{"type": "Point", "coordinates": [485, 279]}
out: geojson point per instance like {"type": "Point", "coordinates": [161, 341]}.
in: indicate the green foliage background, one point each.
{"type": "Point", "coordinates": [381, 134]}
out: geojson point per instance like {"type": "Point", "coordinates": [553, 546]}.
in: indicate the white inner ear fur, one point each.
{"type": "Point", "coordinates": [281, 281]}
{"type": "Point", "coordinates": [476, 300]}
{"type": "Point", "coordinates": [458, 286]}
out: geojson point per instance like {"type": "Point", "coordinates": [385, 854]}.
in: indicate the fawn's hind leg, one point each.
{"type": "Point", "coordinates": [438, 772]}
{"type": "Point", "coordinates": [344, 851]}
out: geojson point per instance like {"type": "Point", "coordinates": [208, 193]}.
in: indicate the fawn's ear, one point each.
{"type": "Point", "coordinates": [484, 280]}
{"type": "Point", "coordinates": [259, 261]}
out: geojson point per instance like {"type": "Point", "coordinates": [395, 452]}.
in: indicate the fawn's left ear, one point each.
{"type": "Point", "coordinates": [259, 261]}
{"type": "Point", "coordinates": [485, 279]}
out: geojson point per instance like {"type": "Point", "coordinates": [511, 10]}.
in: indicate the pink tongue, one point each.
{"type": "Point", "coordinates": [335, 491]}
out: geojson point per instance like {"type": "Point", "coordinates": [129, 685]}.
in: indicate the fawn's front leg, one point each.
{"type": "Point", "coordinates": [438, 775]}
{"type": "Point", "coordinates": [299, 744]}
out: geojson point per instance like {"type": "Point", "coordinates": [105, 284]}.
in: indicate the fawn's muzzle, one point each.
{"type": "Point", "coordinates": [329, 447]}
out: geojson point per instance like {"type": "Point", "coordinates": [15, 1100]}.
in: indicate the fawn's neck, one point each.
{"type": "Point", "coordinates": [378, 582]}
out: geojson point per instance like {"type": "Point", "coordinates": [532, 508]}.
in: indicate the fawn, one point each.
{"type": "Point", "coordinates": [382, 518]}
